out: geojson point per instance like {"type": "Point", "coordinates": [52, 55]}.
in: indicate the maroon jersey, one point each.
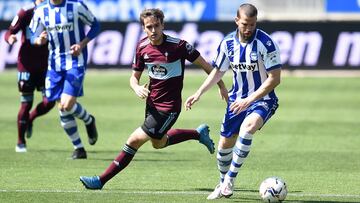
{"type": "Point", "coordinates": [31, 58]}
{"type": "Point", "coordinates": [165, 64]}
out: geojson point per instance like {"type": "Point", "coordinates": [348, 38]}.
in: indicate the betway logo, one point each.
{"type": "Point", "coordinates": [61, 28]}
{"type": "Point", "coordinates": [174, 10]}
{"type": "Point", "coordinates": [244, 67]}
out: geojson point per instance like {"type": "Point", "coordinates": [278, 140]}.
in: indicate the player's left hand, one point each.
{"type": "Point", "coordinates": [239, 105]}
{"type": "Point", "coordinates": [190, 101]}
{"type": "Point", "coordinates": [12, 39]}
{"type": "Point", "coordinates": [75, 50]}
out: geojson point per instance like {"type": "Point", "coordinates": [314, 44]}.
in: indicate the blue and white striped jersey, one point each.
{"type": "Point", "coordinates": [65, 25]}
{"type": "Point", "coordinates": [250, 62]}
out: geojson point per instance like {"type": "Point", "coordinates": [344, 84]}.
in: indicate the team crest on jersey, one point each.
{"type": "Point", "coordinates": [253, 56]}
{"type": "Point", "coordinates": [189, 48]}
{"type": "Point", "coordinates": [269, 43]}
{"type": "Point", "coordinates": [70, 15]}
{"type": "Point", "coordinates": [158, 70]}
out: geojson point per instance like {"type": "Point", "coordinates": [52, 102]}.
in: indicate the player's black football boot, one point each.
{"type": "Point", "coordinates": [91, 131]}
{"type": "Point", "coordinates": [79, 153]}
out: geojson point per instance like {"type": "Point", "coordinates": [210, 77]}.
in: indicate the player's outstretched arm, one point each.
{"type": "Point", "coordinates": [213, 78]}
{"type": "Point", "coordinates": [141, 91]}
{"type": "Point", "coordinates": [200, 61]}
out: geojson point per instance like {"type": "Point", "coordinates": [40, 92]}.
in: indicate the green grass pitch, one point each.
{"type": "Point", "coordinates": [312, 142]}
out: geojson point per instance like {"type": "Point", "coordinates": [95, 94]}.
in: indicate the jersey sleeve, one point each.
{"type": "Point", "coordinates": [138, 61]}
{"type": "Point", "coordinates": [189, 51]}
{"type": "Point", "coordinates": [16, 24]}
{"type": "Point", "coordinates": [36, 26]}
{"type": "Point", "coordinates": [221, 60]}
{"type": "Point", "coordinates": [271, 57]}
{"type": "Point", "coordinates": [88, 18]}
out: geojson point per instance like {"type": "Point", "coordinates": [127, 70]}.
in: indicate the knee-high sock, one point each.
{"type": "Point", "coordinates": [224, 158]}
{"type": "Point", "coordinates": [69, 124]}
{"type": "Point", "coordinates": [79, 112]}
{"type": "Point", "coordinates": [41, 109]}
{"type": "Point", "coordinates": [180, 135]}
{"type": "Point", "coordinates": [23, 117]}
{"type": "Point", "coordinates": [241, 151]}
{"type": "Point", "coordinates": [120, 162]}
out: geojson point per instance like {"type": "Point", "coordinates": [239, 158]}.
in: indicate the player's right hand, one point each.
{"type": "Point", "coordinates": [42, 38]}
{"type": "Point", "coordinates": [12, 39]}
{"type": "Point", "coordinates": [142, 91]}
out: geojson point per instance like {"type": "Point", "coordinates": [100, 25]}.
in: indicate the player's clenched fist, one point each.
{"type": "Point", "coordinates": [75, 50]}
{"type": "Point", "coordinates": [42, 39]}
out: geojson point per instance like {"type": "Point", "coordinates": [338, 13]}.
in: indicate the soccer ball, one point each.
{"type": "Point", "coordinates": [273, 189]}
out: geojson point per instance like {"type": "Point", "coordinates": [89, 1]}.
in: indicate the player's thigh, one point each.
{"type": "Point", "coordinates": [137, 138]}
{"type": "Point", "coordinates": [26, 83]}
{"type": "Point", "coordinates": [67, 101]}
{"type": "Point", "coordinates": [231, 123]}
{"type": "Point", "coordinates": [73, 84]}
{"type": "Point", "coordinates": [40, 82]}
{"type": "Point", "coordinates": [258, 113]}
{"type": "Point", "coordinates": [54, 83]}
{"type": "Point", "coordinates": [227, 142]}
{"type": "Point", "coordinates": [252, 123]}
{"type": "Point", "coordinates": [157, 123]}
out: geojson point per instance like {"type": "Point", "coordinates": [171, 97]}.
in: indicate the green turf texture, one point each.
{"type": "Point", "coordinates": [312, 142]}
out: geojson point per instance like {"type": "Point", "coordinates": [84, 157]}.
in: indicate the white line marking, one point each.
{"type": "Point", "coordinates": [169, 193]}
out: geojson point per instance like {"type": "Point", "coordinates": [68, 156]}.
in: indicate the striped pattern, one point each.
{"type": "Point", "coordinates": [250, 62]}
{"type": "Point", "coordinates": [64, 24]}
{"type": "Point", "coordinates": [241, 151]}
{"type": "Point", "coordinates": [79, 112]}
{"type": "Point", "coordinates": [26, 98]}
{"type": "Point", "coordinates": [168, 121]}
{"type": "Point", "coordinates": [172, 39]}
{"type": "Point", "coordinates": [128, 149]}
{"type": "Point", "coordinates": [224, 157]}
{"type": "Point", "coordinates": [69, 124]}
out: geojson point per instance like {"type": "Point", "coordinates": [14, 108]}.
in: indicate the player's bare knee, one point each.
{"type": "Point", "coordinates": [249, 127]}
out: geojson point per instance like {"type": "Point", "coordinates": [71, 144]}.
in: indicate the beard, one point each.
{"type": "Point", "coordinates": [245, 37]}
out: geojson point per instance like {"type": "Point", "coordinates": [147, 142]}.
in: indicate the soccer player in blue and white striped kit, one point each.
{"type": "Point", "coordinates": [255, 61]}
{"type": "Point", "coordinates": [62, 23]}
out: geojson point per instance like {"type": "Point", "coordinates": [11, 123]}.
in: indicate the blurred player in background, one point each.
{"type": "Point", "coordinates": [255, 61]}
{"type": "Point", "coordinates": [164, 58]}
{"type": "Point", "coordinates": [32, 65]}
{"type": "Point", "coordinates": [61, 23]}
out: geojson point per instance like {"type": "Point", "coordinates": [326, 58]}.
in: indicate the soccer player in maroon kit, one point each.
{"type": "Point", "coordinates": [164, 57]}
{"type": "Point", "coordinates": [32, 65]}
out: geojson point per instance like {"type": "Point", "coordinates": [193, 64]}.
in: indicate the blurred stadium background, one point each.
{"type": "Point", "coordinates": [312, 34]}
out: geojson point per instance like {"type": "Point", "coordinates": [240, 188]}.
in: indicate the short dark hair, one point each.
{"type": "Point", "coordinates": [249, 9]}
{"type": "Point", "coordinates": [155, 12]}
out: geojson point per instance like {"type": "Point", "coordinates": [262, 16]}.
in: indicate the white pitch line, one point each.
{"type": "Point", "coordinates": [170, 193]}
